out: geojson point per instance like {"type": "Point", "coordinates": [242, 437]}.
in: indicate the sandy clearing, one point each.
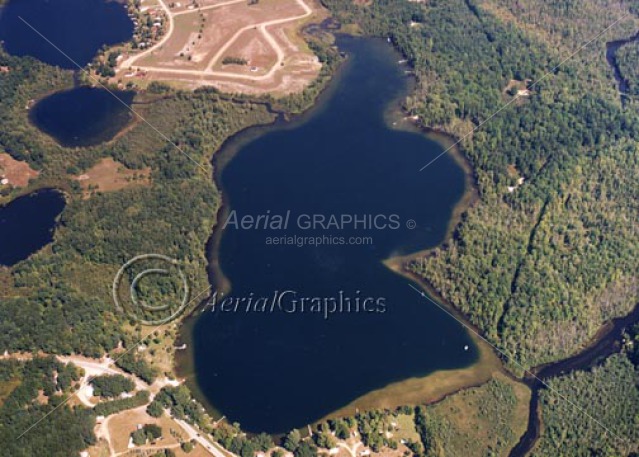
{"type": "Point", "coordinates": [167, 60]}
{"type": "Point", "coordinates": [109, 175]}
{"type": "Point", "coordinates": [18, 173]}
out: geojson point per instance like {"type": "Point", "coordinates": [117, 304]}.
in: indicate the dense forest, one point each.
{"type": "Point", "coordinates": [627, 57]}
{"type": "Point", "coordinates": [537, 264]}
{"type": "Point", "coordinates": [607, 393]}
{"type": "Point", "coordinates": [59, 300]}
{"type": "Point", "coordinates": [32, 390]}
{"type": "Point", "coordinates": [605, 396]}
{"type": "Point", "coordinates": [549, 252]}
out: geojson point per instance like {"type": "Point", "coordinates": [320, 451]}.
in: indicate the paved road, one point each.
{"type": "Point", "coordinates": [195, 435]}
{"type": "Point", "coordinates": [209, 68]}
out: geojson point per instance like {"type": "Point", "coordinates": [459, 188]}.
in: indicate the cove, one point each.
{"type": "Point", "coordinates": [26, 224]}
{"type": "Point", "coordinates": [79, 28]}
{"type": "Point", "coordinates": [272, 369]}
{"type": "Point", "coordinates": [84, 116]}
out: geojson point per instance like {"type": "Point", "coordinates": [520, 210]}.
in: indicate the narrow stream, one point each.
{"type": "Point", "coordinates": [608, 342]}
{"type": "Point", "coordinates": [611, 56]}
{"type": "Point", "coordinates": [609, 339]}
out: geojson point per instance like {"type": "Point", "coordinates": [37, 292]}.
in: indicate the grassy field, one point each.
{"type": "Point", "coordinates": [108, 176]}
{"type": "Point", "coordinates": [484, 421]}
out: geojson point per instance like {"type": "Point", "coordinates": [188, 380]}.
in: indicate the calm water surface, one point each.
{"type": "Point", "coordinates": [83, 116]}
{"type": "Point", "coordinates": [272, 371]}
{"type": "Point", "coordinates": [27, 223]}
{"type": "Point", "coordinates": [79, 28]}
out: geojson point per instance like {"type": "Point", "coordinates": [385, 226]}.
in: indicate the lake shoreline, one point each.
{"type": "Point", "coordinates": [422, 389]}
{"type": "Point", "coordinates": [183, 362]}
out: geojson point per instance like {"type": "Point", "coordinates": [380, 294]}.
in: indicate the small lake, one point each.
{"type": "Point", "coordinates": [84, 116]}
{"type": "Point", "coordinates": [27, 223]}
{"type": "Point", "coordinates": [79, 28]}
{"type": "Point", "coordinates": [273, 368]}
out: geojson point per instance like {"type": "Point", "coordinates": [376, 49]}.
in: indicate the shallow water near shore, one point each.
{"type": "Point", "coordinates": [273, 368]}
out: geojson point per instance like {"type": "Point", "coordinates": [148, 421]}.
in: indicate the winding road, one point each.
{"type": "Point", "coordinates": [209, 68]}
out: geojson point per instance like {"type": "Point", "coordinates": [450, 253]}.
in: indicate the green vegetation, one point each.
{"type": "Point", "coordinates": [164, 453]}
{"type": "Point", "coordinates": [180, 402]}
{"type": "Point", "coordinates": [292, 440]}
{"type": "Point", "coordinates": [105, 67]}
{"type": "Point", "coordinates": [229, 60]}
{"type": "Point", "coordinates": [187, 446]}
{"type": "Point", "coordinates": [136, 366]}
{"type": "Point", "coordinates": [627, 57]}
{"type": "Point", "coordinates": [107, 408]}
{"type": "Point", "coordinates": [59, 301]}
{"type": "Point", "coordinates": [232, 438]}
{"type": "Point", "coordinates": [111, 385]}
{"type": "Point", "coordinates": [574, 406]}
{"type": "Point", "coordinates": [149, 29]}
{"type": "Point", "coordinates": [484, 421]}
{"type": "Point", "coordinates": [541, 267]}
{"type": "Point", "coordinates": [37, 395]}
{"type": "Point", "coordinates": [148, 433]}
{"type": "Point", "coordinates": [631, 344]}
{"type": "Point", "coordinates": [540, 264]}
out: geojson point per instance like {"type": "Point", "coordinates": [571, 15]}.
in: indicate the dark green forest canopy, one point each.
{"type": "Point", "coordinates": [59, 434]}
{"type": "Point", "coordinates": [58, 301]}
{"type": "Point", "coordinates": [594, 412]}
{"type": "Point", "coordinates": [538, 267]}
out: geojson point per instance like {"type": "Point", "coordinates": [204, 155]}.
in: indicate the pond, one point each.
{"type": "Point", "coordinates": [84, 116]}
{"type": "Point", "coordinates": [27, 223]}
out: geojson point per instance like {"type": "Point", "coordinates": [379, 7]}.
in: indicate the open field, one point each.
{"type": "Point", "coordinates": [17, 173]}
{"type": "Point", "coordinates": [108, 175]}
{"type": "Point", "coordinates": [234, 45]}
{"type": "Point", "coordinates": [491, 417]}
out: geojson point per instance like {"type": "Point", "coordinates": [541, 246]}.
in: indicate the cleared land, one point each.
{"type": "Point", "coordinates": [491, 418]}
{"type": "Point", "coordinates": [234, 45]}
{"type": "Point", "coordinates": [108, 175]}
{"type": "Point", "coordinates": [17, 173]}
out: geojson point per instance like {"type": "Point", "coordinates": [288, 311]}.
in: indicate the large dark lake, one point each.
{"type": "Point", "coordinates": [275, 367]}
{"type": "Point", "coordinates": [26, 224]}
{"type": "Point", "coordinates": [79, 28]}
